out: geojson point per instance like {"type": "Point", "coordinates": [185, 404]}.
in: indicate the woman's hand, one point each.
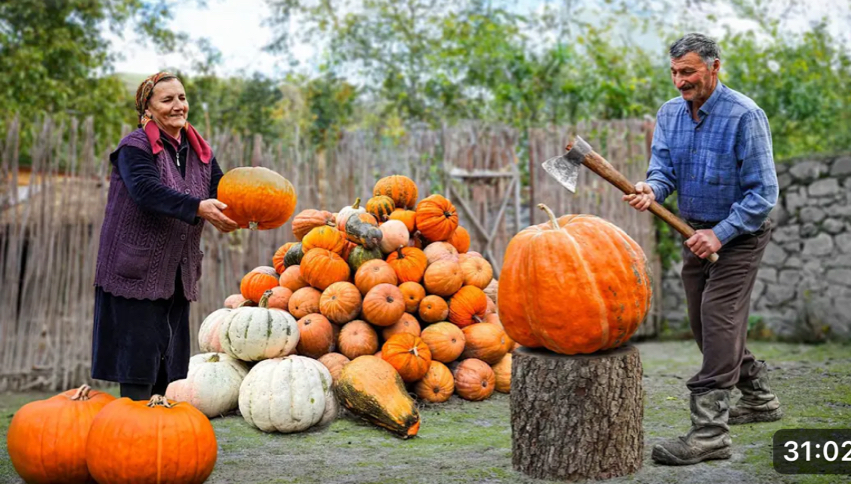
{"type": "Point", "coordinates": [642, 198]}
{"type": "Point", "coordinates": [211, 211]}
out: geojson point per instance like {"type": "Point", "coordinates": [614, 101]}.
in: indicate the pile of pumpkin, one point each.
{"type": "Point", "coordinates": [372, 303]}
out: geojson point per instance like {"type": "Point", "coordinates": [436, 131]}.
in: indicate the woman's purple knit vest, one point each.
{"type": "Point", "coordinates": [140, 251]}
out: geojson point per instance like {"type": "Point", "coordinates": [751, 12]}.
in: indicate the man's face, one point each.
{"type": "Point", "coordinates": [693, 78]}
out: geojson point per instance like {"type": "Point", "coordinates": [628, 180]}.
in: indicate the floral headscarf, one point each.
{"type": "Point", "coordinates": [143, 94]}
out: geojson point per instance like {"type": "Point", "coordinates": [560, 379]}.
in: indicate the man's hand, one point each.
{"type": "Point", "coordinates": [211, 211]}
{"type": "Point", "coordinates": [704, 243]}
{"type": "Point", "coordinates": [642, 198]}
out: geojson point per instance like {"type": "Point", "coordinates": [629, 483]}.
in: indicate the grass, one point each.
{"type": "Point", "coordinates": [467, 442]}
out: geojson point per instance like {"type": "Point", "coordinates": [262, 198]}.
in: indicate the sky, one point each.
{"type": "Point", "coordinates": [237, 29]}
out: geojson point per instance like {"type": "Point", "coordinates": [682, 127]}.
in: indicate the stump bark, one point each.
{"type": "Point", "coordinates": [577, 417]}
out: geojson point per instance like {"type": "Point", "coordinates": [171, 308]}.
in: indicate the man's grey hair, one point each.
{"type": "Point", "coordinates": [700, 44]}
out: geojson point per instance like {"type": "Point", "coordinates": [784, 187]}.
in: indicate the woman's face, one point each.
{"type": "Point", "coordinates": [168, 106]}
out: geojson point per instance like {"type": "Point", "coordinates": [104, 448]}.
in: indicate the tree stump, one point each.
{"type": "Point", "coordinates": [577, 417]}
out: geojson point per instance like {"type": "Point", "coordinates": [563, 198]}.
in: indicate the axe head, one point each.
{"type": "Point", "coordinates": [565, 168]}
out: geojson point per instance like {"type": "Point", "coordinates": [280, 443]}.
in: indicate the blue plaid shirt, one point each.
{"type": "Point", "coordinates": [721, 167]}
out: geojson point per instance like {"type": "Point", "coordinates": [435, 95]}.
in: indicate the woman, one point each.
{"type": "Point", "coordinates": [162, 189]}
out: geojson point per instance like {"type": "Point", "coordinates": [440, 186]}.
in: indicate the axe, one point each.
{"type": "Point", "coordinates": [565, 169]}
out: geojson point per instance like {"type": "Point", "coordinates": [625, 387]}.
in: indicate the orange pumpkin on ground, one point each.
{"type": "Point", "coordinates": [46, 439]}
{"type": "Point", "coordinates": [340, 302]}
{"type": "Point", "coordinates": [372, 273]}
{"type": "Point", "coordinates": [437, 218]}
{"type": "Point", "coordinates": [383, 305]}
{"type": "Point", "coordinates": [257, 282]}
{"type": "Point", "coordinates": [401, 189]}
{"type": "Point", "coordinates": [474, 380]}
{"type": "Point", "coordinates": [409, 263]}
{"type": "Point", "coordinates": [510, 344]}
{"type": "Point", "coordinates": [357, 338]}
{"type": "Point", "coordinates": [460, 239]}
{"type": "Point", "coordinates": [414, 294]}
{"type": "Point", "coordinates": [406, 324]}
{"type": "Point", "coordinates": [598, 307]}
{"type": "Point", "coordinates": [291, 278]}
{"type": "Point", "coordinates": [408, 354]}
{"type": "Point", "coordinates": [308, 219]}
{"type": "Point", "coordinates": [278, 258]}
{"type": "Point", "coordinates": [321, 268]}
{"type": "Point", "coordinates": [445, 341]}
{"type": "Point", "coordinates": [502, 374]}
{"type": "Point", "coordinates": [437, 385]}
{"type": "Point", "coordinates": [486, 342]}
{"type": "Point", "coordinates": [468, 306]}
{"type": "Point", "coordinates": [316, 336]}
{"type": "Point", "coordinates": [433, 309]}
{"type": "Point", "coordinates": [304, 301]}
{"type": "Point", "coordinates": [257, 198]}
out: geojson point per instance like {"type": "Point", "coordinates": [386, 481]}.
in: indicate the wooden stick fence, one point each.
{"type": "Point", "coordinates": [51, 215]}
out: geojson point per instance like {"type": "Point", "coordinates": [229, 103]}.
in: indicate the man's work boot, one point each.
{"type": "Point", "coordinates": [709, 437]}
{"type": "Point", "coordinates": [757, 404]}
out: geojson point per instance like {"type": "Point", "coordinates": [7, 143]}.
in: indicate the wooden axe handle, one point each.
{"type": "Point", "coordinates": [600, 166]}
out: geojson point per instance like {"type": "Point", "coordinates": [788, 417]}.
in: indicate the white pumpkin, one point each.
{"type": "Point", "coordinates": [394, 235]}
{"type": "Point", "coordinates": [346, 212]}
{"type": "Point", "coordinates": [212, 384]}
{"type": "Point", "coordinates": [208, 335]}
{"type": "Point", "coordinates": [436, 251]}
{"type": "Point", "coordinates": [254, 333]}
{"type": "Point", "coordinates": [288, 395]}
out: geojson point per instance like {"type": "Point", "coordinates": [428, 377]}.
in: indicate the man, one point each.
{"type": "Point", "coordinates": [713, 146]}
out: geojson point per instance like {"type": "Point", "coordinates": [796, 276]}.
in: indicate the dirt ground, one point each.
{"type": "Point", "coordinates": [464, 442]}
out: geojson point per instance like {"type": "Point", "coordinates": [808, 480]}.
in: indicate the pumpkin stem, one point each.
{"type": "Point", "coordinates": [159, 401]}
{"type": "Point", "coordinates": [477, 319]}
{"type": "Point", "coordinates": [244, 303]}
{"type": "Point", "coordinates": [264, 299]}
{"type": "Point", "coordinates": [253, 225]}
{"type": "Point", "coordinates": [82, 393]}
{"type": "Point", "coordinates": [399, 251]}
{"type": "Point", "coordinates": [357, 203]}
{"type": "Point", "coordinates": [553, 219]}
{"type": "Point", "coordinates": [214, 358]}
{"type": "Point", "coordinates": [415, 351]}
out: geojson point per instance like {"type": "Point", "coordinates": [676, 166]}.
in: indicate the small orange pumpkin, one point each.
{"type": "Point", "coordinates": [474, 380]}
{"type": "Point", "coordinates": [400, 188]}
{"type": "Point", "coordinates": [477, 272]}
{"type": "Point", "coordinates": [291, 278]}
{"type": "Point", "coordinates": [433, 309]}
{"type": "Point", "coordinates": [234, 301]}
{"type": "Point", "coordinates": [502, 374]}
{"type": "Point", "coordinates": [485, 342]}
{"type": "Point", "coordinates": [380, 207]}
{"type": "Point", "coordinates": [439, 251]}
{"type": "Point", "coordinates": [414, 293]}
{"type": "Point", "coordinates": [437, 218]}
{"type": "Point", "coordinates": [460, 239]}
{"type": "Point", "coordinates": [372, 273]}
{"type": "Point", "coordinates": [321, 268]}
{"type": "Point", "coordinates": [335, 363]}
{"type": "Point", "coordinates": [468, 306]}
{"type": "Point", "coordinates": [308, 219]}
{"type": "Point", "coordinates": [304, 301]}
{"type": "Point", "coordinates": [278, 298]}
{"type": "Point", "coordinates": [408, 354]}
{"type": "Point", "coordinates": [316, 336]}
{"type": "Point", "coordinates": [408, 217]}
{"type": "Point", "coordinates": [257, 198]}
{"type": "Point", "coordinates": [443, 278]}
{"type": "Point", "coordinates": [406, 324]}
{"type": "Point", "coordinates": [438, 384]}
{"type": "Point", "coordinates": [340, 302]}
{"type": "Point", "coordinates": [357, 338]}
{"type": "Point", "coordinates": [409, 263]}
{"type": "Point", "coordinates": [324, 237]}
{"type": "Point", "coordinates": [445, 341]}
{"type": "Point", "coordinates": [278, 258]}
{"type": "Point", "coordinates": [257, 282]}
{"type": "Point", "coordinates": [383, 305]}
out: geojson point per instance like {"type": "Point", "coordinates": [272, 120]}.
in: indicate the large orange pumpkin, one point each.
{"type": "Point", "coordinates": [324, 237]}
{"type": "Point", "coordinates": [414, 294]}
{"type": "Point", "coordinates": [310, 218]}
{"type": "Point", "coordinates": [445, 341]}
{"type": "Point", "coordinates": [409, 263]}
{"type": "Point", "coordinates": [577, 284]}
{"type": "Point", "coordinates": [443, 278]}
{"type": "Point", "coordinates": [304, 301]}
{"type": "Point", "coordinates": [166, 442]}
{"type": "Point", "coordinates": [474, 380]}
{"type": "Point", "coordinates": [321, 268]}
{"type": "Point", "coordinates": [437, 385]}
{"type": "Point", "coordinates": [401, 189]}
{"type": "Point", "coordinates": [437, 218]}
{"type": "Point", "coordinates": [433, 309]}
{"type": "Point", "coordinates": [316, 337]}
{"type": "Point", "coordinates": [460, 239]}
{"type": "Point", "coordinates": [357, 338]}
{"type": "Point", "coordinates": [278, 258]}
{"type": "Point", "coordinates": [291, 278]}
{"type": "Point", "coordinates": [340, 302]}
{"type": "Point", "coordinates": [257, 197]}
{"type": "Point", "coordinates": [46, 440]}
{"type": "Point", "coordinates": [257, 282]}
{"type": "Point", "coordinates": [383, 305]}
{"type": "Point", "coordinates": [485, 342]}
{"type": "Point", "coordinates": [372, 273]}
{"type": "Point", "coordinates": [468, 306]}
{"type": "Point", "coordinates": [408, 354]}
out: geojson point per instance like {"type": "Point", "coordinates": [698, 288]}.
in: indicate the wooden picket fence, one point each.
{"type": "Point", "coordinates": [51, 215]}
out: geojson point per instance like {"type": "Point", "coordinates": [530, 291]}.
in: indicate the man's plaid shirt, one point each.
{"type": "Point", "coordinates": [721, 167]}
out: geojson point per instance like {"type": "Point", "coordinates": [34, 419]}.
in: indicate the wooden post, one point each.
{"type": "Point", "coordinates": [577, 417]}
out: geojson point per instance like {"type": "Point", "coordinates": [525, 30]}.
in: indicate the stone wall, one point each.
{"type": "Point", "coordinates": [803, 288]}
